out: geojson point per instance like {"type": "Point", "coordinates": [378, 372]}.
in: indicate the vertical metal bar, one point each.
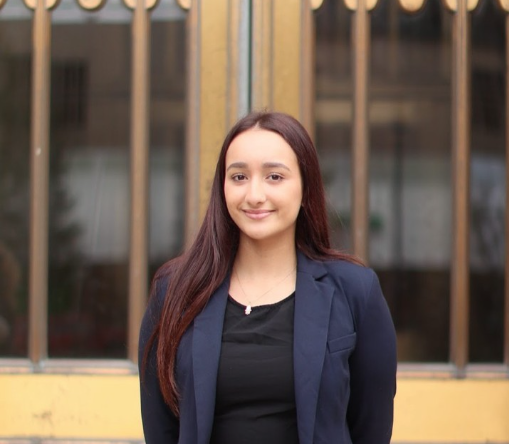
{"type": "Point", "coordinates": [38, 286]}
{"type": "Point", "coordinates": [506, 317]}
{"type": "Point", "coordinates": [138, 263]}
{"type": "Point", "coordinates": [262, 77]}
{"type": "Point", "coordinates": [234, 20]}
{"type": "Point", "coordinates": [307, 86]}
{"type": "Point", "coordinates": [238, 60]}
{"type": "Point", "coordinates": [192, 192]}
{"type": "Point", "coordinates": [360, 197]}
{"type": "Point", "coordinates": [461, 158]}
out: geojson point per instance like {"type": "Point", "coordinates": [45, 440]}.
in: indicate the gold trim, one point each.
{"type": "Point", "coordinates": [185, 4]}
{"type": "Point", "coordinates": [352, 5]}
{"type": "Point", "coordinates": [91, 5]}
{"type": "Point", "coordinates": [315, 4]}
{"type": "Point", "coordinates": [149, 4]}
{"type": "Point", "coordinates": [452, 5]}
{"type": "Point", "coordinates": [504, 4]}
{"type": "Point", "coordinates": [412, 5]}
{"type": "Point", "coordinates": [49, 4]}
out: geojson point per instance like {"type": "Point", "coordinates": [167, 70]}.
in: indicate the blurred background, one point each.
{"type": "Point", "coordinates": [112, 113]}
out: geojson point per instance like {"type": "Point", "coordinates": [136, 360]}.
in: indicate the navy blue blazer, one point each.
{"type": "Point", "coordinates": [344, 361]}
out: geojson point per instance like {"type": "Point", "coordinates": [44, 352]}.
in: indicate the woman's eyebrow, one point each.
{"type": "Point", "coordinates": [266, 165]}
{"type": "Point", "coordinates": [239, 165]}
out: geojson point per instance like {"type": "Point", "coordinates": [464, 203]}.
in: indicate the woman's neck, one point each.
{"type": "Point", "coordinates": [254, 259]}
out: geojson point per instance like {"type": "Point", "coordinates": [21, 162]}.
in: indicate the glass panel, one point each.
{"type": "Point", "coordinates": [410, 173]}
{"type": "Point", "coordinates": [167, 133]}
{"type": "Point", "coordinates": [487, 194]}
{"type": "Point", "coordinates": [89, 181]}
{"type": "Point", "coordinates": [15, 86]}
{"type": "Point", "coordinates": [410, 139]}
{"type": "Point", "coordinates": [333, 113]}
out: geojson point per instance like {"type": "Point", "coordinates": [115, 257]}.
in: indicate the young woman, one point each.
{"type": "Point", "coordinates": [260, 332]}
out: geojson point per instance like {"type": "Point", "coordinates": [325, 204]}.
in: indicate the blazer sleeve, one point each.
{"type": "Point", "coordinates": [160, 425]}
{"type": "Point", "coordinates": [373, 366]}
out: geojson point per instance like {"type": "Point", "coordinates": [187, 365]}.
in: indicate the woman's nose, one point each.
{"type": "Point", "coordinates": [255, 193]}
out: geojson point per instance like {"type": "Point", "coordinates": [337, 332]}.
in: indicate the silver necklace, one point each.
{"type": "Point", "coordinates": [249, 306]}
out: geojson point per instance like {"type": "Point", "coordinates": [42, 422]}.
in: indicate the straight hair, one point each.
{"type": "Point", "coordinates": [198, 272]}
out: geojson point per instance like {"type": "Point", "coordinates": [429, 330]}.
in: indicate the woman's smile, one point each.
{"type": "Point", "coordinates": [257, 214]}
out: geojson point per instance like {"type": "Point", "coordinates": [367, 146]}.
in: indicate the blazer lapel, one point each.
{"type": "Point", "coordinates": [207, 334]}
{"type": "Point", "coordinates": [313, 300]}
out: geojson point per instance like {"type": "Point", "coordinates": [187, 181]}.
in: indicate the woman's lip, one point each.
{"type": "Point", "coordinates": [257, 214]}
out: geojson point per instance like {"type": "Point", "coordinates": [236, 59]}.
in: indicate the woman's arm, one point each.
{"type": "Point", "coordinates": [160, 425]}
{"type": "Point", "coordinates": [373, 366]}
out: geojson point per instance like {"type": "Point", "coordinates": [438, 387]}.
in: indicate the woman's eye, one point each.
{"type": "Point", "coordinates": [238, 177]}
{"type": "Point", "coordinates": [275, 177]}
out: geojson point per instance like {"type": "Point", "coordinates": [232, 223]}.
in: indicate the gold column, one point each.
{"type": "Point", "coordinates": [215, 86]}
{"type": "Point", "coordinates": [461, 177]}
{"type": "Point", "coordinates": [282, 54]}
{"type": "Point", "coordinates": [140, 105]}
{"type": "Point", "coordinates": [360, 139]}
{"type": "Point", "coordinates": [38, 285]}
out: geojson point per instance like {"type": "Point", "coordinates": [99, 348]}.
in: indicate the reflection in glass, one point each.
{"type": "Point", "coordinates": [487, 194]}
{"type": "Point", "coordinates": [167, 131]}
{"type": "Point", "coordinates": [410, 173]}
{"type": "Point", "coordinates": [410, 139]}
{"type": "Point", "coordinates": [15, 78]}
{"type": "Point", "coordinates": [90, 168]}
{"type": "Point", "coordinates": [333, 113]}
{"type": "Point", "coordinates": [89, 184]}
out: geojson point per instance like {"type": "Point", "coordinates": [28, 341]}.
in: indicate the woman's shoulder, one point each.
{"type": "Point", "coordinates": [356, 281]}
{"type": "Point", "coordinates": [349, 270]}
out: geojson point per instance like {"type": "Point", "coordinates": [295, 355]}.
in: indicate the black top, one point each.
{"type": "Point", "coordinates": [255, 394]}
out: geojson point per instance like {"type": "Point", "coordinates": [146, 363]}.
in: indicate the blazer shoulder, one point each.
{"type": "Point", "coordinates": [351, 275]}
{"type": "Point", "coordinates": [358, 283]}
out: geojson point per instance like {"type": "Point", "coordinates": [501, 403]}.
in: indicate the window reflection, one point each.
{"type": "Point", "coordinates": [89, 185]}
{"type": "Point", "coordinates": [410, 183]}
{"type": "Point", "coordinates": [90, 168]}
{"type": "Point", "coordinates": [333, 113]}
{"type": "Point", "coordinates": [487, 194]}
{"type": "Point", "coordinates": [15, 78]}
{"type": "Point", "coordinates": [167, 120]}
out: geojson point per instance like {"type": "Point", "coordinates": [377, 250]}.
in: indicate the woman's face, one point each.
{"type": "Point", "coordinates": [263, 186]}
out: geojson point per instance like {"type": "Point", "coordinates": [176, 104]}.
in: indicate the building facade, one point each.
{"type": "Point", "coordinates": [112, 113]}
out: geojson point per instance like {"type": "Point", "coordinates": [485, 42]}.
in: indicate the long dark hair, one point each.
{"type": "Point", "coordinates": [196, 274]}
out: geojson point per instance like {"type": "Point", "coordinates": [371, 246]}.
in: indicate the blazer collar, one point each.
{"type": "Point", "coordinates": [313, 300]}
{"type": "Point", "coordinates": [207, 335]}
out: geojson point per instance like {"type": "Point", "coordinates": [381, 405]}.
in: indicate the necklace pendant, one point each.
{"type": "Point", "coordinates": [247, 310]}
